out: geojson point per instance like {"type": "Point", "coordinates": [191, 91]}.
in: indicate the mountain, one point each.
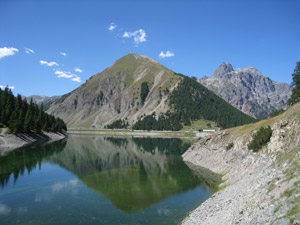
{"type": "Point", "coordinates": [136, 88]}
{"type": "Point", "coordinates": [115, 93]}
{"type": "Point", "coordinates": [40, 99]}
{"type": "Point", "coordinates": [248, 90]}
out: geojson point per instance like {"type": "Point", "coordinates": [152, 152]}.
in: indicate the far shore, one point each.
{"type": "Point", "coordinates": [137, 133]}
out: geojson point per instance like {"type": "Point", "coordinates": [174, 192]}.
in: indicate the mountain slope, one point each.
{"type": "Point", "coordinates": [137, 88]}
{"type": "Point", "coordinates": [248, 90]}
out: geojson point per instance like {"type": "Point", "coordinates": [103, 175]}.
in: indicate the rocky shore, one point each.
{"type": "Point", "coordinates": [9, 142]}
{"type": "Point", "coordinates": [258, 188]}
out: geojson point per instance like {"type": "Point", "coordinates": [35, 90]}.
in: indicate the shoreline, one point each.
{"type": "Point", "coordinates": [10, 142]}
{"type": "Point", "coordinates": [257, 188]}
{"type": "Point", "coordinates": [135, 133]}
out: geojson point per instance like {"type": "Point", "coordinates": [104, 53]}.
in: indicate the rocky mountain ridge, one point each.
{"type": "Point", "coordinates": [248, 89]}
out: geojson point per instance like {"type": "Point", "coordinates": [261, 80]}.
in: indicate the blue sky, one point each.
{"type": "Point", "coordinates": [73, 40]}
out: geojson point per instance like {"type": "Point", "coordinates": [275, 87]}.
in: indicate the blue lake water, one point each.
{"type": "Point", "coordinates": [99, 180]}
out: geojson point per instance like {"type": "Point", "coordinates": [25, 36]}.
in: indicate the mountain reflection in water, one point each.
{"type": "Point", "coordinates": [132, 173]}
{"type": "Point", "coordinates": [101, 180]}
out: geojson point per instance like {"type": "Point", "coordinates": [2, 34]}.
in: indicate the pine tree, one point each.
{"type": "Point", "coordinates": [296, 86]}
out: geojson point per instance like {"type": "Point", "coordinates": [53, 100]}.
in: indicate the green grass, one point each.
{"type": "Point", "coordinates": [292, 170]}
{"type": "Point", "coordinates": [288, 193]}
{"type": "Point", "coordinates": [292, 212]}
{"type": "Point", "coordinates": [200, 124]}
{"type": "Point", "coordinates": [221, 187]}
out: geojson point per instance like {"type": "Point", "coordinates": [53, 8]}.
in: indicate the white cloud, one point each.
{"type": "Point", "coordinates": [112, 26]}
{"type": "Point", "coordinates": [78, 70]}
{"type": "Point", "coordinates": [42, 62]}
{"type": "Point", "coordinates": [10, 87]}
{"type": "Point", "coordinates": [64, 74]}
{"type": "Point", "coordinates": [29, 51]}
{"type": "Point", "coordinates": [7, 51]}
{"type": "Point", "coordinates": [68, 75]}
{"type": "Point", "coordinates": [4, 210]}
{"type": "Point", "coordinates": [64, 185]}
{"type": "Point", "coordinates": [138, 36]}
{"type": "Point", "coordinates": [43, 197]}
{"type": "Point", "coordinates": [63, 53]}
{"type": "Point", "coordinates": [166, 55]}
{"type": "Point", "coordinates": [76, 79]}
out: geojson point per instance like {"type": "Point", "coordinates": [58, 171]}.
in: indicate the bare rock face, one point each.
{"type": "Point", "coordinates": [248, 90]}
{"type": "Point", "coordinates": [115, 94]}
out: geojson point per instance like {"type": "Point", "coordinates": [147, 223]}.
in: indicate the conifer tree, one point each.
{"type": "Point", "coordinates": [296, 86]}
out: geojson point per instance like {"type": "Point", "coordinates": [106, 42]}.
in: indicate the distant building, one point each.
{"type": "Point", "coordinates": [207, 130]}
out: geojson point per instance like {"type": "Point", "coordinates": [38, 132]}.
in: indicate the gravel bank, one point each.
{"type": "Point", "coordinates": [258, 188]}
{"type": "Point", "coordinates": [9, 142]}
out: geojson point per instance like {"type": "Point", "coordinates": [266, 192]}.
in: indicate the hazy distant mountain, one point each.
{"type": "Point", "coordinates": [117, 93]}
{"type": "Point", "coordinates": [39, 99]}
{"type": "Point", "coordinates": [248, 90]}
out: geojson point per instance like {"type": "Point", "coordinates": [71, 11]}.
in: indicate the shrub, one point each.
{"type": "Point", "coordinates": [261, 138]}
{"type": "Point", "coordinates": [229, 146]}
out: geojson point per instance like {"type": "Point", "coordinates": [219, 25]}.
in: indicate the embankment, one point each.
{"type": "Point", "coordinates": [258, 188]}
{"type": "Point", "coordinates": [9, 142]}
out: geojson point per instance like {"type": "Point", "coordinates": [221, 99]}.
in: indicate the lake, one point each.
{"type": "Point", "coordinates": [100, 180]}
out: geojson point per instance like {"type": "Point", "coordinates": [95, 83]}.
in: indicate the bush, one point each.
{"type": "Point", "coordinates": [229, 146]}
{"type": "Point", "coordinates": [261, 138]}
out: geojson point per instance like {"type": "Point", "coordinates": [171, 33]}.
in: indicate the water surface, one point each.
{"type": "Point", "coordinates": [99, 180]}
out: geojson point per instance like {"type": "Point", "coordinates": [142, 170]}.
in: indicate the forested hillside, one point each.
{"type": "Point", "coordinates": [19, 116]}
{"type": "Point", "coordinates": [192, 101]}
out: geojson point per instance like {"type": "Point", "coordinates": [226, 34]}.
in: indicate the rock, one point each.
{"type": "Point", "coordinates": [248, 90]}
{"type": "Point", "coordinates": [255, 184]}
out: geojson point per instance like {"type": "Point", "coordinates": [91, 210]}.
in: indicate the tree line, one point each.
{"type": "Point", "coordinates": [21, 117]}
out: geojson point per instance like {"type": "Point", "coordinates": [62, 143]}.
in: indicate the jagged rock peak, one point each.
{"type": "Point", "coordinates": [248, 90]}
{"type": "Point", "coordinates": [224, 68]}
